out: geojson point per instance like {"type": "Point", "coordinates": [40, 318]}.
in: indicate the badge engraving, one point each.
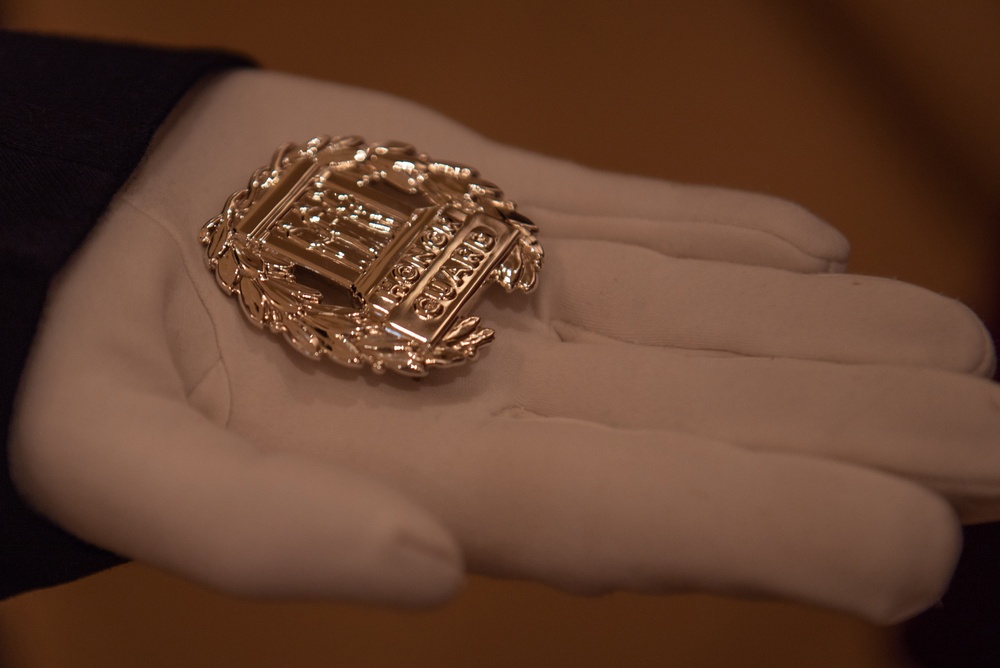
{"type": "Point", "coordinates": [370, 254]}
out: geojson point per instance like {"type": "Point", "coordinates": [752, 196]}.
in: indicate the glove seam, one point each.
{"type": "Point", "coordinates": [220, 360]}
{"type": "Point", "coordinates": [201, 379]}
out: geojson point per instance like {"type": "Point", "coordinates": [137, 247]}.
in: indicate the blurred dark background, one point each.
{"type": "Point", "coordinates": [879, 116]}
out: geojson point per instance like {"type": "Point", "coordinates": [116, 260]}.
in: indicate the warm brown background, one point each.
{"type": "Point", "coordinates": [879, 116]}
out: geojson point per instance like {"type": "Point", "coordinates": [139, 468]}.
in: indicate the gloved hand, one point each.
{"type": "Point", "coordinates": [693, 399]}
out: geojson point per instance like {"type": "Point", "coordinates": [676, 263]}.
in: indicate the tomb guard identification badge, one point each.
{"type": "Point", "coordinates": [370, 254]}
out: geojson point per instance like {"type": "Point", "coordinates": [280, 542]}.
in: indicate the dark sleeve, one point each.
{"type": "Point", "coordinates": [75, 119]}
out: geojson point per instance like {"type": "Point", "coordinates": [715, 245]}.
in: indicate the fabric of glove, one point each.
{"type": "Point", "coordinates": [693, 399]}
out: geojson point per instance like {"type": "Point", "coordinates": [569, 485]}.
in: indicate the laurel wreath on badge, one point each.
{"type": "Point", "coordinates": [370, 254]}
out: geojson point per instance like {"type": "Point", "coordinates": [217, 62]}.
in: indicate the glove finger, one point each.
{"type": "Point", "coordinates": [939, 428]}
{"type": "Point", "coordinates": [154, 480]}
{"type": "Point", "coordinates": [689, 235]}
{"type": "Point", "coordinates": [635, 295]}
{"type": "Point", "coordinates": [232, 127]}
{"type": "Point", "coordinates": [591, 509]}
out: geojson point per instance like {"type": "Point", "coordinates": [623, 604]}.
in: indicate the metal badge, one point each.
{"type": "Point", "coordinates": [370, 254]}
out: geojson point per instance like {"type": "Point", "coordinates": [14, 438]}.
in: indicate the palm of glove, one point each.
{"type": "Point", "coordinates": [690, 400]}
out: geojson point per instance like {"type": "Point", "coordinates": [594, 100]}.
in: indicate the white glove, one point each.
{"type": "Point", "coordinates": [689, 401]}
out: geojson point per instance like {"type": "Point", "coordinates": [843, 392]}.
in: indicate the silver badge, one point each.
{"type": "Point", "coordinates": [370, 254]}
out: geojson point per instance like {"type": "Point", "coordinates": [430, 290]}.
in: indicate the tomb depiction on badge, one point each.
{"type": "Point", "coordinates": [370, 254]}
